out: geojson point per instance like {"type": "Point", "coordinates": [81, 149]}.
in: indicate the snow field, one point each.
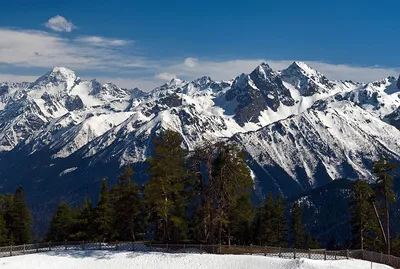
{"type": "Point", "coordinates": [154, 260]}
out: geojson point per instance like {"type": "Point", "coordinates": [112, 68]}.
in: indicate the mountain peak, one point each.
{"type": "Point", "coordinates": [57, 75]}
{"type": "Point", "coordinates": [175, 82]}
{"type": "Point", "coordinates": [302, 67]}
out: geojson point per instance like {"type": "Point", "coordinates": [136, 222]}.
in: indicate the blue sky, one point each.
{"type": "Point", "coordinates": [144, 43]}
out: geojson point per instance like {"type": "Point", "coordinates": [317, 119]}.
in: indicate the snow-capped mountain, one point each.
{"type": "Point", "coordinates": [300, 129]}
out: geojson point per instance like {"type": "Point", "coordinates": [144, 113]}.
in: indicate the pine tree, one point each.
{"type": "Point", "coordinates": [166, 192]}
{"type": "Point", "coordinates": [384, 172]}
{"type": "Point", "coordinates": [17, 217]}
{"type": "Point", "coordinates": [268, 232]}
{"type": "Point", "coordinates": [124, 198]}
{"type": "Point", "coordinates": [240, 220]}
{"type": "Point", "coordinates": [61, 225]}
{"type": "Point", "coordinates": [103, 218]}
{"type": "Point", "coordinates": [83, 229]}
{"type": "Point", "coordinates": [232, 180]}
{"type": "Point", "coordinates": [297, 227]}
{"type": "Point", "coordinates": [309, 242]}
{"type": "Point", "coordinates": [362, 220]}
{"type": "Point", "coordinates": [280, 228]}
{"type": "Point", "coordinates": [3, 231]}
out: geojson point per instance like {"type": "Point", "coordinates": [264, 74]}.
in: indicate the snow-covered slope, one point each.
{"type": "Point", "coordinates": [300, 129]}
{"type": "Point", "coordinates": [144, 260]}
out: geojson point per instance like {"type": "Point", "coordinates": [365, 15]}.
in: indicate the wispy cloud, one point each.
{"type": "Point", "coordinates": [48, 50]}
{"type": "Point", "coordinates": [192, 67]}
{"type": "Point", "coordinates": [60, 24]}
{"type": "Point", "coordinates": [165, 76]}
{"type": "Point", "coordinates": [102, 41]}
{"type": "Point", "coordinates": [118, 60]}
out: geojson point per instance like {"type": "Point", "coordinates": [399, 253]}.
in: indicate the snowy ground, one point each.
{"type": "Point", "coordinates": [125, 260]}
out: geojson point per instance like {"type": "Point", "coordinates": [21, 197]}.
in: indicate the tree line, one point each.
{"type": "Point", "coordinates": [204, 196]}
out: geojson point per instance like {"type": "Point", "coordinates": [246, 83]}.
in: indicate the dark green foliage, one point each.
{"type": "Point", "coordinates": [103, 215]}
{"type": "Point", "coordinates": [268, 234]}
{"type": "Point", "coordinates": [166, 194]}
{"type": "Point", "coordinates": [384, 172]}
{"type": "Point", "coordinates": [83, 229]}
{"type": "Point", "coordinates": [3, 231]}
{"type": "Point", "coordinates": [62, 224]}
{"type": "Point", "coordinates": [280, 223]}
{"type": "Point", "coordinates": [17, 217]}
{"type": "Point", "coordinates": [363, 220]}
{"type": "Point", "coordinates": [297, 227]}
{"type": "Point", "coordinates": [240, 218]}
{"type": "Point", "coordinates": [124, 199]}
{"type": "Point", "coordinates": [309, 242]}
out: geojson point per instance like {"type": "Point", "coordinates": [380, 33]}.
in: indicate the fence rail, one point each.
{"type": "Point", "coordinates": [289, 253]}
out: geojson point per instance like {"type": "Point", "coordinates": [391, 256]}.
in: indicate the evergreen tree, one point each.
{"type": "Point", "coordinates": [309, 242]}
{"type": "Point", "coordinates": [362, 219]}
{"type": "Point", "coordinates": [103, 219]}
{"type": "Point", "coordinates": [17, 217]}
{"type": "Point", "coordinates": [124, 199]}
{"type": "Point", "coordinates": [280, 228]}
{"type": "Point", "coordinates": [83, 228]}
{"type": "Point", "coordinates": [232, 180]}
{"type": "Point", "coordinates": [240, 220]}
{"type": "Point", "coordinates": [297, 227]}
{"type": "Point", "coordinates": [167, 191]}
{"type": "Point", "coordinates": [3, 231]}
{"type": "Point", "coordinates": [61, 225]}
{"type": "Point", "coordinates": [384, 172]}
{"type": "Point", "coordinates": [269, 235]}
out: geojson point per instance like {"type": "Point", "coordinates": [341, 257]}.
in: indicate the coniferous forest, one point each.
{"type": "Point", "coordinates": [203, 196]}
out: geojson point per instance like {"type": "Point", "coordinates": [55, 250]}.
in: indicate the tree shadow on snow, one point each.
{"type": "Point", "coordinates": [98, 255]}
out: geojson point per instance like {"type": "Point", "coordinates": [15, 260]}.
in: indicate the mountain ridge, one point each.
{"type": "Point", "coordinates": [299, 129]}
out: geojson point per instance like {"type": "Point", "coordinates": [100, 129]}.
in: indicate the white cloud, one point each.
{"type": "Point", "coordinates": [48, 50]}
{"type": "Point", "coordinates": [17, 78]}
{"type": "Point", "coordinates": [190, 62]}
{"type": "Point", "coordinates": [166, 76]}
{"type": "Point", "coordinates": [116, 60]}
{"type": "Point", "coordinates": [60, 24]}
{"type": "Point", "coordinates": [102, 41]}
{"type": "Point", "coordinates": [192, 68]}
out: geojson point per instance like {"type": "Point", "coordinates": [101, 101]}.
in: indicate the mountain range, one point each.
{"type": "Point", "coordinates": [60, 135]}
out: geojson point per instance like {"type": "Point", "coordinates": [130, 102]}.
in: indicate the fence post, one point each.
{"type": "Point", "coordinates": [116, 245]}
{"type": "Point", "coordinates": [83, 245]}
{"type": "Point", "coordinates": [133, 246]}
{"type": "Point", "coordinates": [37, 247]}
{"type": "Point", "coordinates": [325, 254]}
{"type": "Point", "coordinates": [335, 254]}
{"type": "Point", "coordinates": [11, 250]}
{"type": "Point", "coordinates": [347, 253]}
{"type": "Point", "coordinates": [265, 250]}
{"type": "Point", "coordinates": [309, 253]}
{"type": "Point", "coordinates": [294, 253]}
{"type": "Point", "coordinates": [280, 252]}
{"type": "Point", "coordinates": [150, 246]}
{"type": "Point", "coordinates": [23, 250]}
{"type": "Point", "coordinates": [50, 246]}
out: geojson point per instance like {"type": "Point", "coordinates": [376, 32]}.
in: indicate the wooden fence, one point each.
{"type": "Point", "coordinates": [289, 253]}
